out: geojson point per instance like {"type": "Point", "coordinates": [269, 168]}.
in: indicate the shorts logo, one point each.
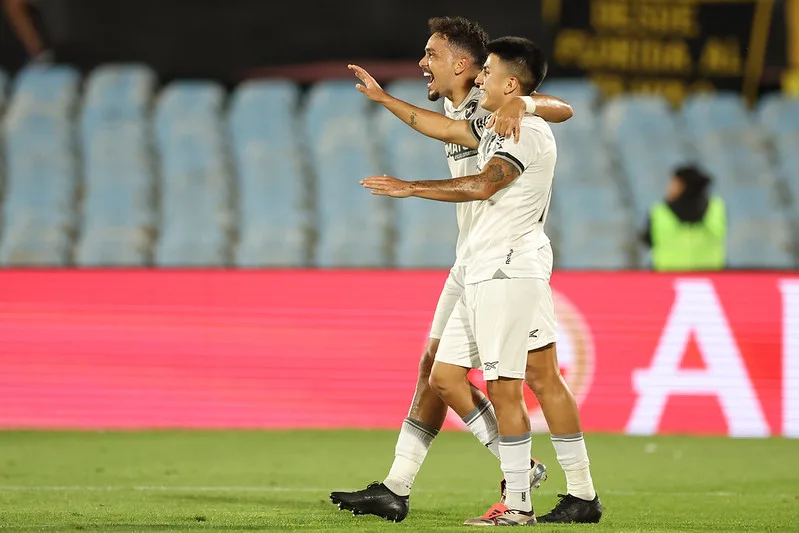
{"type": "Point", "coordinates": [534, 334]}
{"type": "Point", "coordinates": [507, 257]}
{"type": "Point", "coordinates": [491, 365]}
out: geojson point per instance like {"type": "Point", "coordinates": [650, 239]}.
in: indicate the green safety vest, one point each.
{"type": "Point", "coordinates": [678, 245]}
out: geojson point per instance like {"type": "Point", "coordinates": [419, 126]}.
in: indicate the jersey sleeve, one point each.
{"type": "Point", "coordinates": [521, 154]}
{"type": "Point", "coordinates": [478, 126]}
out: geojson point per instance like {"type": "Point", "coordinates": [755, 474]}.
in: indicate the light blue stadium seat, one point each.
{"type": "Point", "coordinates": [116, 94]}
{"type": "Point", "coordinates": [328, 105]}
{"type": "Point", "coordinates": [591, 201]}
{"type": "Point", "coordinates": [119, 154]}
{"type": "Point", "coordinates": [593, 227]}
{"type": "Point", "coordinates": [111, 246]}
{"type": "Point", "coordinates": [127, 205]}
{"type": "Point", "coordinates": [392, 130]}
{"type": "Point", "coordinates": [417, 249]}
{"type": "Point", "coordinates": [749, 202]}
{"type": "Point", "coordinates": [577, 90]}
{"type": "Point", "coordinates": [198, 198]}
{"type": "Point", "coordinates": [274, 246]}
{"type": "Point", "coordinates": [196, 183]}
{"type": "Point", "coordinates": [273, 191]}
{"type": "Point", "coordinates": [46, 90]}
{"type": "Point", "coordinates": [720, 113]}
{"type": "Point", "coordinates": [352, 224]}
{"type": "Point", "coordinates": [118, 204]}
{"type": "Point", "coordinates": [192, 239]}
{"type": "Point", "coordinates": [423, 225]}
{"type": "Point", "coordinates": [264, 111]}
{"type": "Point", "coordinates": [343, 246]}
{"type": "Point", "coordinates": [425, 231]}
{"type": "Point", "coordinates": [760, 243]}
{"type": "Point", "coordinates": [335, 97]}
{"type": "Point", "coordinates": [637, 115]}
{"type": "Point", "coordinates": [343, 157]}
{"type": "Point", "coordinates": [41, 167]}
{"type": "Point", "coordinates": [779, 115]}
{"type": "Point", "coordinates": [592, 166]}
{"type": "Point", "coordinates": [28, 246]}
{"type": "Point", "coordinates": [191, 98]}
{"type": "Point", "coordinates": [582, 95]}
{"type": "Point", "coordinates": [599, 242]}
{"type": "Point", "coordinates": [185, 107]}
{"type": "Point", "coordinates": [263, 99]}
{"type": "Point", "coordinates": [39, 198]}
{"type": "Point", "coordinates": [275, 220]}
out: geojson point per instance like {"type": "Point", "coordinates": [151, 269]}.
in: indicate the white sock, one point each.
{"type": "Point", "coordinates": [573, 459]}
{"type": "Point", "coordinates": [483, 424]}
{"type": "Point", "coordinates": [413, 442]}
{"type": "Point", "coordinates": [514, 454]}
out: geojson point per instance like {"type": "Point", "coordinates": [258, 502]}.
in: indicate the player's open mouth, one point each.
{"type": "Point", "coordinates": [429, 75]}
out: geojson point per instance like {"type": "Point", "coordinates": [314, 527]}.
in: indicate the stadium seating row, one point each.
{"type": "Point", "coordinates": [118, 172]}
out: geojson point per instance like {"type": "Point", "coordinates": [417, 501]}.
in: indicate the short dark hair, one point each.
{"type": "Point", "coordinates": [463, 34]}
{"type": "Point", "coordinates": [694, 178]}
{"type": "Point", "coordinates": [526, 60]}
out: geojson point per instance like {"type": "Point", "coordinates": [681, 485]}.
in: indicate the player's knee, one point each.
{"type": "Point", "coordinates": [505, 392]}
{"type": "Point", "coordinates": [441, 381]}
{"type": "Point", "coordinates": [542, 373]}
{"type": "Point", "coordinates": [437, 383]}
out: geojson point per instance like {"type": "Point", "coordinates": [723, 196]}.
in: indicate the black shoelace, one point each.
{"type": "Point", "coordinates": [561, 509]}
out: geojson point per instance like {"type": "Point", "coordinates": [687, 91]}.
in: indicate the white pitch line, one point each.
{"type": "Point", "coordinates": [169, 488]}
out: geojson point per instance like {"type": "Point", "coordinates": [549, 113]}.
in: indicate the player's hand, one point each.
{"type": "Point", "coordinates": [507, 120]}
{"type": "Point", "coordinates": [370, 87]}
{"type": "Point", "coordinates": [388, 186]}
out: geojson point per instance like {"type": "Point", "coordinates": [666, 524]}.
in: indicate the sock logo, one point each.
{"type": "Point", "coordinates": [524, 497]}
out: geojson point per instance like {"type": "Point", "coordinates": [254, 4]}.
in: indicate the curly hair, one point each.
{"type": "Point", "coordinates": [463, 34]}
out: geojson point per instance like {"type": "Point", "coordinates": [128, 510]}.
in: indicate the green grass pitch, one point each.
{"type": "Point", "coordinates": [279, 481]}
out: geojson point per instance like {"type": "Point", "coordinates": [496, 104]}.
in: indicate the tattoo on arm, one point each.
{"type": "Point", "coordinates": [498, 174]}
{"type": "Point", "coordinates": [495, 174]}
{"type": "Point", "coordinates": [413, 119]}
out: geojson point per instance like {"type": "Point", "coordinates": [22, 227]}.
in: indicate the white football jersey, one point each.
{"type": "Point", "coordinates": [462, 161]}
{"type": "Point", "coordinates": [507, 230]}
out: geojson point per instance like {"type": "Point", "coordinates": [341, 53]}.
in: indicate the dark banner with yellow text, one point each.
{"type": "Point", "coordinates": [672, 47]}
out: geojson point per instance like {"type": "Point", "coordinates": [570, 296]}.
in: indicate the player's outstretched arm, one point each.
{"type": "Point", "coordinates": [496, 175]}
{"type": "Point", "coordinates": [507, 119]}
{"type": "Point", "coordinates": [426, 122]}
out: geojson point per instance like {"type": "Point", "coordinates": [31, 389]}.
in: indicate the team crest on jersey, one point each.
{"type": "Point", "coordinates": [471, 107]}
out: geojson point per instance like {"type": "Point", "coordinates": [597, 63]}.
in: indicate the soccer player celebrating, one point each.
{"type": "Point", "coordinates": [453, 57]}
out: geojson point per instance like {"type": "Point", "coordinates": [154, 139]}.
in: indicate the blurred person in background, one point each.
{"type": "Point", "coordinates": [23, 18]}
{"type": "Point", "coordinates": [687, 231]}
